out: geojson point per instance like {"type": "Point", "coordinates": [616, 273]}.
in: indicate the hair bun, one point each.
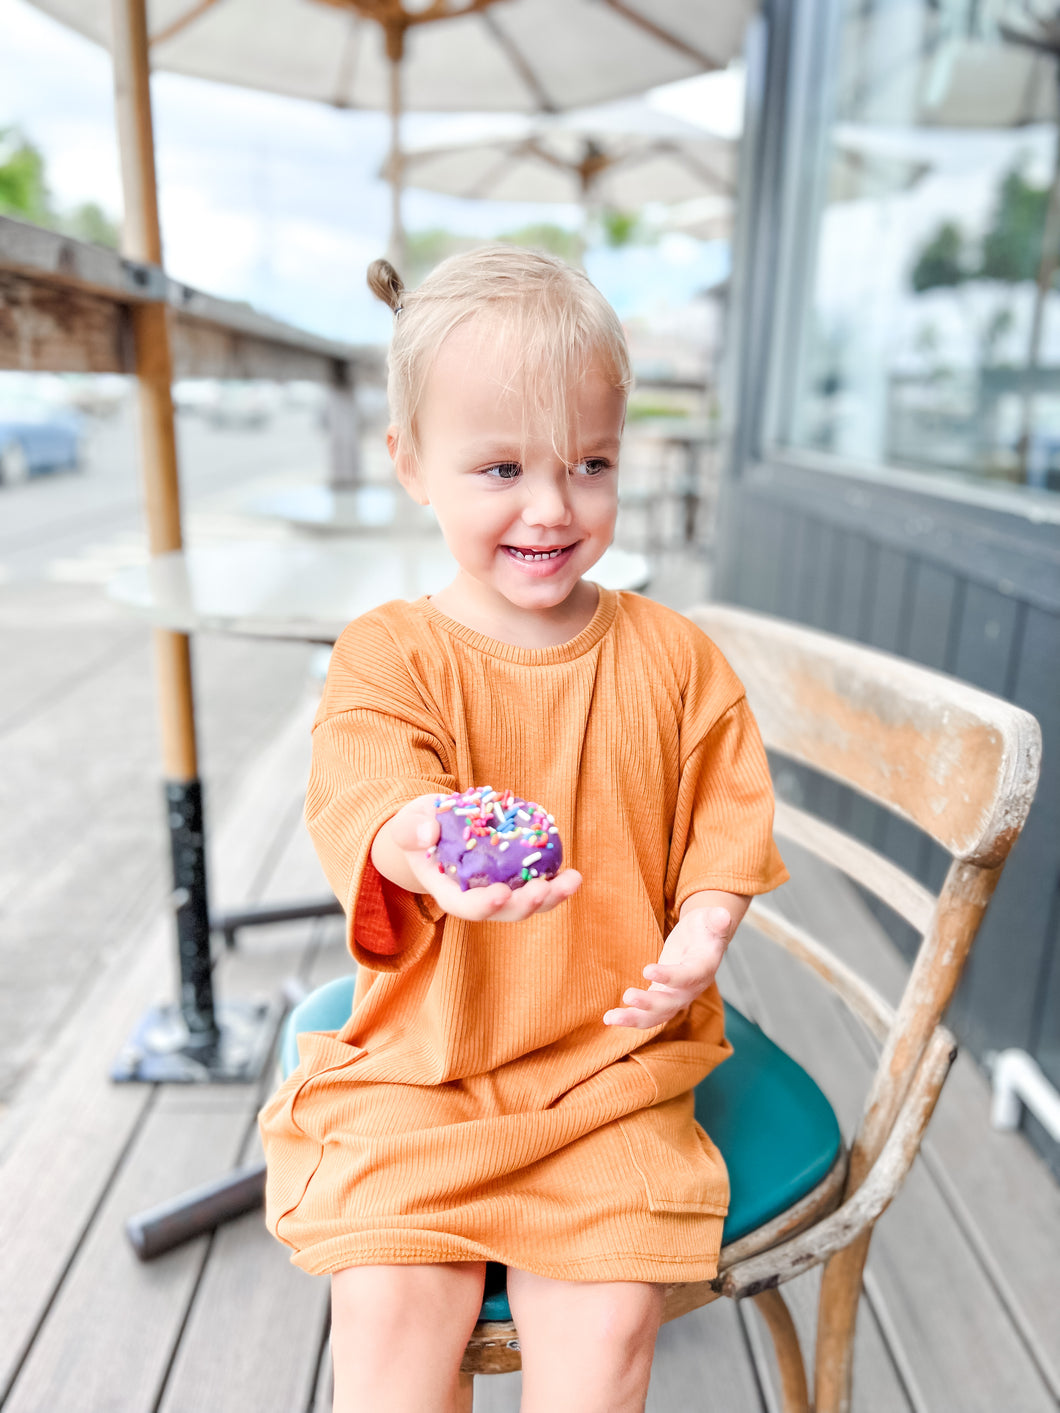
{"type": "Point", "coordinates": [385, 283]}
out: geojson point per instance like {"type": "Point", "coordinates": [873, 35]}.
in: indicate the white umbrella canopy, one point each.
{"type": "Point", "coordinates": [433, 55]}
{"type": "Point", "coordinates": [621, 156]}
{"type": "Point", "coordinates": [457, 55]}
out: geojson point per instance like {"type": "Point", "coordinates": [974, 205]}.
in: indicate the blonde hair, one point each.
{"type": "Point", "coordinates": [558, 320]}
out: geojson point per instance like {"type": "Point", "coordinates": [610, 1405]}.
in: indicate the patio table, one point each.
{"type": "Point", "coordinates": [344, 509]}
{"type": "Point", "coordinates": [305, 589]}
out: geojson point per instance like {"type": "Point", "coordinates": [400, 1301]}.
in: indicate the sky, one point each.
{"type": "Point", "coordinates": [278, 202]}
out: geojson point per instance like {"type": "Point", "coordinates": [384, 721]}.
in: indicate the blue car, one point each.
{"type": "Point", "coordinates": [36, 438]}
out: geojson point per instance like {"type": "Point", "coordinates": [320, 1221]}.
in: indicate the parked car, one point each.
{"type": "Point", "coordinates": [37, 437]}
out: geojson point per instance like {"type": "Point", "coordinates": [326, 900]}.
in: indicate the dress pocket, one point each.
{"type": "Point", "coordinates": [680, 1168]}
{"type": "Point", "coordinates": [320, 1055]}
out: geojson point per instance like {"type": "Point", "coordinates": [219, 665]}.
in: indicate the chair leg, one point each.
{"type": "Point", "coordinates": [837, 1314]}
{"type": "Point", "coordinates": [466, 1393]}
{"type": "Point", "coordinates": [794, 1396]}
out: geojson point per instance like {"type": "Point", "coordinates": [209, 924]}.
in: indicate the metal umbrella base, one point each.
{"type": "Point", "coordinates": [163, 1050]}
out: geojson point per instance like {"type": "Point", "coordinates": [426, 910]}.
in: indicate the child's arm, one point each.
{"type": "Point", "coordinates": [399, 852]}
{"type": "Point", "coordinates": [688, 963]}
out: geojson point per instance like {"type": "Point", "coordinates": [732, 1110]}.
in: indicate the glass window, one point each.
{"type": "Point", "coordinates": [927, 328]}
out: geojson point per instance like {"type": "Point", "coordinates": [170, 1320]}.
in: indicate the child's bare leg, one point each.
{"type": "Point", "coordinates": [586, 1346]}
{"type": "Point", "coordinates": [398, 1335]}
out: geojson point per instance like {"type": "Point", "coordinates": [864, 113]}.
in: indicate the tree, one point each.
{"type": "Point", "coordinates": [942, 261]}
{"type": "Point", "coordinates": [1012, 247]}
{"type": "Point", "coordinates": [621, 228]}
{"type": "Point", "coordinates": [425, 249]}
{"type": "Point", "coordinates": [23, 191]}
{"type": "Point", "coordinates": [544, 235]}
{"type": "Point", "coordinates": [90, 222]}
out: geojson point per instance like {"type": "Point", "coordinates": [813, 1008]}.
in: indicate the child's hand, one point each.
{"type": "Point", "coordinates": [690, 959]}
{"type": "Point", "coordinates": [413, 830]}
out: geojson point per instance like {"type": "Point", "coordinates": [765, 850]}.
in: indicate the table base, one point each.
{"type": "Point", "coordinates": [162, 1050]}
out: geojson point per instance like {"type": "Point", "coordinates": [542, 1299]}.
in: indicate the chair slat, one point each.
{"type": "Point", "coordinates": [884, 879]}
{"type": "Point", "coordinates": [958, 762]}
{"type": "Point", "coordinates": [858, 994]}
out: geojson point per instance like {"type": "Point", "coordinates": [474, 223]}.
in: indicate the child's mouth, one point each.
{"type": "Point", "coordinates": [539, 563]}
{"type": "Point", "coordinates": [533, 556]}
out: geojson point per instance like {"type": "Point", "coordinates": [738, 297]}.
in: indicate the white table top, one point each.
{"type": "Point", "coordinates": [304, 589]}
{"type": "Point", "coordinates": [342, 510]}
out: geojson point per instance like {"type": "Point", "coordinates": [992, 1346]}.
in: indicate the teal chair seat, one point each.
{"type": "Point", "coordinates": [776, 1130]}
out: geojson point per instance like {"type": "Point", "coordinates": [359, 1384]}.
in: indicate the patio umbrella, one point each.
{"type": "Point", "coordinates": [625, 155]}
{"type": "Point", "coordinates": [526, 56]}
{"type": "Point", "coordinates": [619, 156]}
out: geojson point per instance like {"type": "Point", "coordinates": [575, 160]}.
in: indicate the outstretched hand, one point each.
{"type": "Point", "coordinates": [688, 964]}
{"type": "Point", "coordinates": [415, 828]}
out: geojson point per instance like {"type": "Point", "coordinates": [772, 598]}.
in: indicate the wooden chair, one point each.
{"type": "Point", "coordinates": [961, 765]}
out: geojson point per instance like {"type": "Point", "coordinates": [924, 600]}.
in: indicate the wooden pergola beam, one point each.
{"type": "Point", "coordinates": [64, 308]}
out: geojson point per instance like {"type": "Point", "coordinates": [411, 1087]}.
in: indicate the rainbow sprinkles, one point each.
{"type": "Point", "coordinates": [493, 836]}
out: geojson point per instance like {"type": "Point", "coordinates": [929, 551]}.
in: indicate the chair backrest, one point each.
{"type": "Point", "coordinates": [957, 762]}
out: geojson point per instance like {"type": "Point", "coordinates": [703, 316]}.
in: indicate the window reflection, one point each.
{"type": "Point", "coordinates": [930, 334]}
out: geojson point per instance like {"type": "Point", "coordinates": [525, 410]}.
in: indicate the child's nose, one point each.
{"type": "Point", "coordinates": [547, 502]}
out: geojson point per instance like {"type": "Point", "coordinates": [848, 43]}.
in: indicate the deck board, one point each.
{"type": "Point", "coordinates": [962, 1278]}
{"type": "Point", "coordinates": [107, 1340]}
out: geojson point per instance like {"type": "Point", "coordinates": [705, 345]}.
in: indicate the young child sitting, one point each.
{"type": "Point", "coordinates": [515, 1081]}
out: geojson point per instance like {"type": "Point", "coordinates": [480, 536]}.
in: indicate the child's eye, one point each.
{"type": "Point", "coordinates": [591, 466]}
{"type": "Point", "coordinates": [502, 471]}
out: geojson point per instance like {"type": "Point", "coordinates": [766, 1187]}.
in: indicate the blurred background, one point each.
{"type": "Point", "coordinates": [835, 257]}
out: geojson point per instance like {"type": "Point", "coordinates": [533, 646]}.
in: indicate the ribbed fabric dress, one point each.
{"type": "Point", "coordinates": [475, 1106]}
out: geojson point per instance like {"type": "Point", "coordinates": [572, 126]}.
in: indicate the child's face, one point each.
{"type": "Point", "coordinates": [501, 490]}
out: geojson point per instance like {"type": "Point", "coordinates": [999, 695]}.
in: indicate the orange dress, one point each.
{"type": "Point", "coordinates": [475, 1106]}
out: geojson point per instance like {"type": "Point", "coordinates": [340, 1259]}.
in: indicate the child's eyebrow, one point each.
{"type": "Point", "coordinates": [483, 451]}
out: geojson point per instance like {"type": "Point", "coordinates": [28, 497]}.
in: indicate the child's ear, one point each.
{"type": "Point", "coordinates": [405, 465]}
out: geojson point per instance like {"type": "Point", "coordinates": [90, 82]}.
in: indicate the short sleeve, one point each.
{"type": "Point", "coordinates": [376, 745]}
{"type": "Point", "coordinates": [723, 825]}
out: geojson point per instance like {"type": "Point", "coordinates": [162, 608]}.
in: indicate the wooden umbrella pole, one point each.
{"type": "Point", "coordinates": [142, 241]}
{"type": "Point", "coordinates": [395, 48]}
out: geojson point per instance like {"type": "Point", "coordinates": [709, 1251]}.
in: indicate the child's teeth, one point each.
{"type": "Point", "coordinates": [547, 554]}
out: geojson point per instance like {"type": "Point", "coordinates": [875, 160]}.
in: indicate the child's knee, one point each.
{"type": "Point", "coordinates": [626, 1317]}
{"type": "Point", "coordinates": [389, 1305]}
{"type": "Point", "coordinates": [619, 1314]}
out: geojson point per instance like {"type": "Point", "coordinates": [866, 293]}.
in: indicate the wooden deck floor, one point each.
{"type": "Point", "coordinates": [962, 1289]}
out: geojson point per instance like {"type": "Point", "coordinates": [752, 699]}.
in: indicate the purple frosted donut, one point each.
{"type": "Point", "coordinates": [491, 836]}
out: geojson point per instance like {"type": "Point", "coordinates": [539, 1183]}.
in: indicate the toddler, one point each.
{"type": "Point", "coordinates": [514, 1083]}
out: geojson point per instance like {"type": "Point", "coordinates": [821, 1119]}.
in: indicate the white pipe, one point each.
{"type": "Point", "coordinates": [1018, 1079]}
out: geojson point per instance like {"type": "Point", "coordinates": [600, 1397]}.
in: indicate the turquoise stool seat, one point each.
{"type": "Point", "coordinates": [776, 1130]}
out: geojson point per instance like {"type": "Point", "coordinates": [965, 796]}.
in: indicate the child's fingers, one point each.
{"type": "Point", "coordinates": [540, 895]}
{"type": "Point", "coordinates": [679, 976]}
{"type": "Point", "coordinates": [560, 889]}
{"type": "Point", "coordinates": [637, 1019]}
{"type": "Point", "coordinates": [498, 901]}
{"type": "Point", "coordinates": [472, 904]}
{"type": "Point", "coordinates": [644, 1009]}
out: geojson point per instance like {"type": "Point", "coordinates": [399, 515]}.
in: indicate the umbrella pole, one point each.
{"type": "Point", "coordinates": [395, 44]}
{"type": "Point", "coordinates": [182, 1042]}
